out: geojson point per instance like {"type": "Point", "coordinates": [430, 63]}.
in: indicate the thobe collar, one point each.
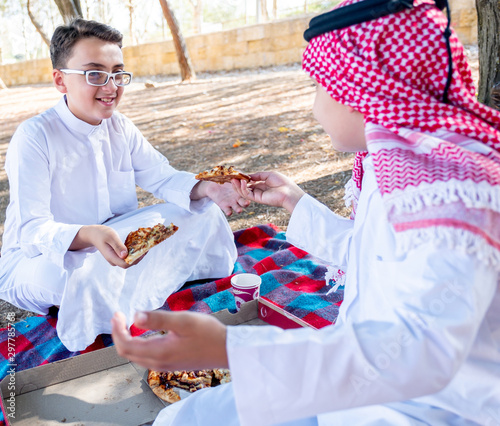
{"type": "Point", "coordinates": [73, 122]}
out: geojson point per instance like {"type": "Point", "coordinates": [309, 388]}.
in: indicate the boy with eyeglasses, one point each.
{"type": "Point", "coordinates": [73, 172]}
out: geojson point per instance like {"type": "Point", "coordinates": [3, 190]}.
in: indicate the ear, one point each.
{"type": "Point", "coordinates": [58, 78]}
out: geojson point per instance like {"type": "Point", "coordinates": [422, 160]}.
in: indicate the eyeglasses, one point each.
{"type": "Point", "coordinates": [101, 78]}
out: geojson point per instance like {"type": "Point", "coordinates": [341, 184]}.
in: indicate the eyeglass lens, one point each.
{"type": "Point", "coordinates": [100, 78]}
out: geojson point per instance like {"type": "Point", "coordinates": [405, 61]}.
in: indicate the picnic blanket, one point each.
{"type": "Point", "coordinates": [291, 277]}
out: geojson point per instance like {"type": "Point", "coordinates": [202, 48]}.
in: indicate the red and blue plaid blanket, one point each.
{"type": "Point", "coordinates": [291, 278]}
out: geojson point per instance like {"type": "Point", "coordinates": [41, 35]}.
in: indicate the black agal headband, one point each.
{"type": "Point", "coordinates": [368, 10]}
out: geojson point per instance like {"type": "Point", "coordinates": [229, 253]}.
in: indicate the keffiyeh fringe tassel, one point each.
{"type": "Point", "coordinates": [451, 238]}
{"type": "Point", "coordinates": [349, 196]}
{"type": "Point", "coordinates": [474, 195]}
{"type": "Point", "coordinates": [458, 205]}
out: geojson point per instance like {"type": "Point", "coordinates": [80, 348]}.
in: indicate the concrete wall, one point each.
{"type": "Point", "coordinates": [274, 43]}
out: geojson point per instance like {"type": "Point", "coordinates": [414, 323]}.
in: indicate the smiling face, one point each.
{"type": "Point", "coordinates": [344, 125]}
{"type": "Point", "coordinates": [89, 103]}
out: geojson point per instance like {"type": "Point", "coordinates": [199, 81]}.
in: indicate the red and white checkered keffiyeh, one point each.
{"type": "Point", "coordinates": [437, 165]}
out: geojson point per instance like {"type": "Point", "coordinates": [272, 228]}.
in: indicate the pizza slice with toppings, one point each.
{"type": "Point", "coordinates": [163, 383]}
{"type": "Point", "coordinates": [222, 174]}
{"type": "Point", "coordinates": [162, 390]}
{"type": "Point", "coordinates": [141, 241]}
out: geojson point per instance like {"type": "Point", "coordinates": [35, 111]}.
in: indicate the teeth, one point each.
{"type": "Point", "coordinates": [107, 99]}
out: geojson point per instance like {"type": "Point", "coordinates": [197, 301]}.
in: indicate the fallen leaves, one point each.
{"type": "Point", "coordinates": [238, 143]}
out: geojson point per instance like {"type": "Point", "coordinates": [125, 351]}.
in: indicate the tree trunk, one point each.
{"type": "Point", "coordinates": [69, 9]}
{"type": "Point", "coordinates": [488, 26]}
{"type": "Point", "coordinates": [38, 27]}
{"type": "Point", "coordinates": [187, 70]}
{"type": "Point", "coordinates": [197, 14]}
{"type": "Point", "coordinates": [130, 6]}
{"type": "Point", "coordinates": [275, 9]}
{"type": "Point", "coordinates": [263, 8]}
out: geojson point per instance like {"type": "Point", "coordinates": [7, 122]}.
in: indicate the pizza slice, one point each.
{"type": "Point", "coordinates": [191, 381]}
{"type": "Point", "coordinates": [222, 174]}
{"type": "Point", "coordinates": [221, 376]}
{"type": "Point", "coordinates": [141, 241]}
{"type": "Point", "coordinates": [166, 394]}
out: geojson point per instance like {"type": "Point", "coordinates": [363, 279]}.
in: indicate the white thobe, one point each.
{"type": "Point", "coordinates": [417, 340]}
{"type": "Point", "coordinates": [65, 173]}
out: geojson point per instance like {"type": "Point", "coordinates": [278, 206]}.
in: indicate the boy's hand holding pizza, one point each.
{"type": "Point", "coordinates": [104, 239]}
{"type": "Point", "coordinates": [116, 252]}
{"type": "Point", "coordinates": [216, 184]}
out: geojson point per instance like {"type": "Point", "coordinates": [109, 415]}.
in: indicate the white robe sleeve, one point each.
{"type": "Point", "coordinates": [310, 222]}
{"type": "Point", "coordinates": [29, 179]}
{"type": "Point", "coordinates": [404, 339]}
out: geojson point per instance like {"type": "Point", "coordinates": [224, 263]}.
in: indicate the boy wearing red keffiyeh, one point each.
{"type": "Point", "coordinates": [417, 340]}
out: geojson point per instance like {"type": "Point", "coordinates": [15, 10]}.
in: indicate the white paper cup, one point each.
{"type": "Point", "coordinates": [245, 288]}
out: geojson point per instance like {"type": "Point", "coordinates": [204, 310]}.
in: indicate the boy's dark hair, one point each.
{"type": "Point", "coordinates": [66, 36]}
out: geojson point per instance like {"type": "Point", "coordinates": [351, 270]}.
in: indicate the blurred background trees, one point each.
{"type": "Point", "coordinates": [25, 26]}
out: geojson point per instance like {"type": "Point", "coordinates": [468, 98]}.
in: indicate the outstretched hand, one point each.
{"type": "Point", "coordinates": [227, 199]}
{"type": "Point", "coordinates": [193, 341]}
{"type": "Point", "coordinates": [270, 188]}
{"type": "Point", "coordinates": [223, 195]}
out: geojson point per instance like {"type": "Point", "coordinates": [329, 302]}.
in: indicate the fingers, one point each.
{"type": "Point", "coordinates": [243, 202]}
{"type": "Point", "coordinates": [117, 245]}
{"type": "Point", "coordinates": [237, 187]}
{"type": "Point", "coordinates": [161, 320]}
{"type": "Point", "coordinates": [113, 259]}
{"type": "Point", "coordinates": [243, 190]}
{"type": "Point", "coordinates": [119, 328]}
{"type": "Point", "coordinates": [192, 341]}
{"type": "Point", "coordinates": [108, 242]}
{"type": "Point", "coordinates": [125, 343]}
{"type": "Point", "coordinates": [260, 176]}
{"type": "Point", "coordinates": [119, 322]}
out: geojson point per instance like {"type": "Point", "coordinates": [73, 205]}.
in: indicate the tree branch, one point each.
{"type": "Point", "coordinates": [38, 27]}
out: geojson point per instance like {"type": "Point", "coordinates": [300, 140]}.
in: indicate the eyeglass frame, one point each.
{"type": "Point", "coordinates": [109, 74]}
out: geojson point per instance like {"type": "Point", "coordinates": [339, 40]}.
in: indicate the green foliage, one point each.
{"type": "Point", "coordinates": [323, 6]}
{"type": "Point", "coordinates": [220, 11]}
{"type": "Point", "coordinates": [10, 8]}
{"type": "Point", "coordinates": [316, 7]}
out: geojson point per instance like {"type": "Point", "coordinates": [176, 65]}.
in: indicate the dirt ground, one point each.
{"type": "Point", "coordinates": [255, 120]}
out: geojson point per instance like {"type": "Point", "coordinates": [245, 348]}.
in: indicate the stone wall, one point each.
{"type": "Point", "coordinates": [464, 20]}
{"type": "Point", "coordinates": [273, 43]}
